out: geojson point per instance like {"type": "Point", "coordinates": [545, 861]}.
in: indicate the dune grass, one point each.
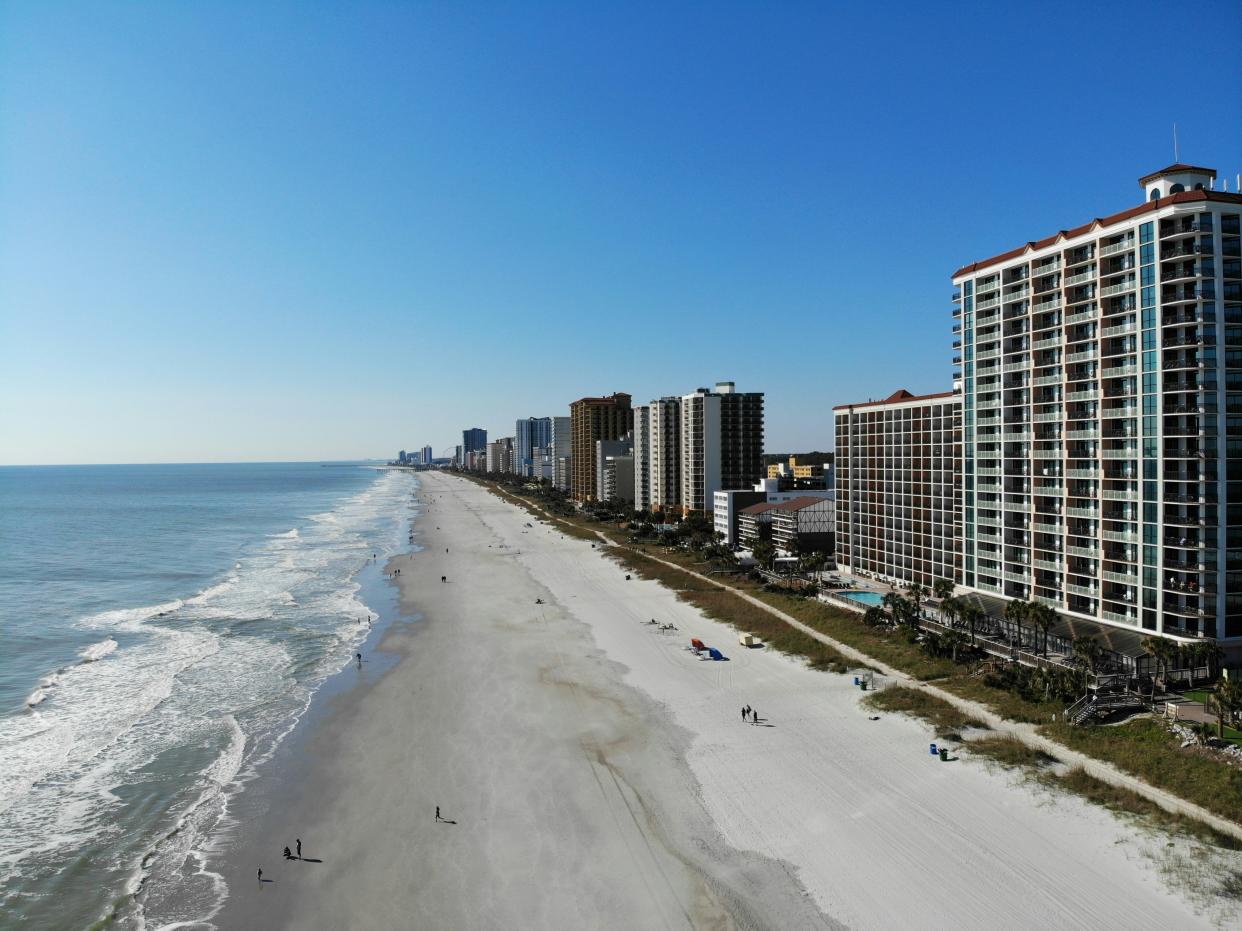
{"type": "Point", "coordinates": [1145, 748]}
{"type": "Point", "coordinates": [1009, 751]}
{"type": "Point", "coordinates": [945, 718]}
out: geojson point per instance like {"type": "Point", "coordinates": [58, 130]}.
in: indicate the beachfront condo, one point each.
{"type": "Point", "coordinates": [721, 443]}
{"type": "Point", "coordinates": [591, 420]}
{"type": "Point", "coordinates": [529, 434]}
{"type": "Point", "coordinates": [898, 510]}
{"type": "Point", "coordinates": [473, 440]}
{"type": "Point", "coordinates": [664, 462]}
{"type": "Point", "coordinates": [1101, 393]}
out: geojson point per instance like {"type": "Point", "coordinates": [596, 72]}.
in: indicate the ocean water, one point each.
{"type": "Point", "coordinates": [162, 628]}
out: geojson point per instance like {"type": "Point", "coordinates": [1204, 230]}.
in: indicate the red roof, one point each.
{"type": "Point", "coordinates": [757, 508]}
{"type": "Point", "coordinates": [797, 504]}
{"type": "Point", "coordinates": [1177, 168]}
{"type": "Point", "coordinates": [900, 396]}
{"type": "Point", "coordinates": [1180, 198]}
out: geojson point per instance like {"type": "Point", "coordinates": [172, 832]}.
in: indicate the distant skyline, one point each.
{"type": "Point", "coordinates": [312, 231]}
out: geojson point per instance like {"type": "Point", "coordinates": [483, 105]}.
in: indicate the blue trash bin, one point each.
{"type": "Point", "coordinates": [934, 751]}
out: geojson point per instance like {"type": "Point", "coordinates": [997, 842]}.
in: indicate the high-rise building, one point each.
{"type": "Point", "coordinates": [500, 455]}
{"type": "Point", "coordinates": [612, 449]}
{"type": "Point", "coordinates": [591, 420]}
{"type": "Point", "coordinates": [721, 443]}
{"type": "Point", "coordinates": [1101, 385]}
{"type": "Point", "coordinates": [642, 458]}
{"type": "Point", "coordinates": [529, 434]}
{"type": "Point", "coordinates": [473, 440]}
{"type": "Point", "coordinates": [559, 451]}
{"type": "Point", "coordinates": [618, 478]}
{"type": "Point", "coordinates": [898, 510]}
{"type": "Point", "coordinates": [664, 462]}
{"type": "Point", "coordinates": [428, 455]}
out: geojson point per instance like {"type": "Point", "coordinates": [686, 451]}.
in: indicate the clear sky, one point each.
{"type": "Point", "coordinates": [236, 231]}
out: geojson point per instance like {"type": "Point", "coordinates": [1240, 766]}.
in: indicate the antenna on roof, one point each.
{"type": "Point", "coordinates": [1176, 153]}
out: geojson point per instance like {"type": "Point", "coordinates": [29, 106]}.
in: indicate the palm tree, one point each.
{"type": "Point", "coordinates": [1015, 611]}
{"type": "Point", "coordinates": [953, 639]}
{"type": "Point", "coordinates": [970, 613]}
{"type": "Point", "coordinates": [1043, 617]}
{"type": "Point", "coordinates": [1151, 645]}
{"type": "Point", "coordinates": [949, 609]}
{"type": "Point", "coordinates": [942, 589]}
{"type": "Point", "coordinates": [1166, 652]}
{"type": "Point", "coordinates": [1087, 649]}
{"type": "Point", "coordinates": [1226, 700]}
{"type": "Point", "coordinates": [917, 592]}
{"type": "Point", "coordinates": [875, 616]}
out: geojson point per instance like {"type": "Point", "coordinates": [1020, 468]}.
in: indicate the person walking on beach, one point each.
{"type": "Point", "coordinates": [260, 874]}
{"type": "Point", "coordinates": [754, 715]}
{"type": "Point", "coordinates": [358, 657]}
{"type": "Point", "coordinates": [438, 818]}
{"type": "Point", "coordinates": [299, 848]}
{"type": "Point", "coordinates": [744, 713]}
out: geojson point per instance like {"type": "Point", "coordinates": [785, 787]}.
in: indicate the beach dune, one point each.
{"type": "Point", "coordinates": [596, 774]}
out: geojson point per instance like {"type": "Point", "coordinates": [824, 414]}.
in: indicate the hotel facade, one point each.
{"type": "Point", "coordinates": [898, 501]}
{"type": "Point", "coordinates": [1101, 415]}
{"type": "Point", "coordinates": [721, 443]}
{"type": "Point", "coordinates": [592, 420]}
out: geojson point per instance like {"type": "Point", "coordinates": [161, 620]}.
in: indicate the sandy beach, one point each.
{"type": "Point", "coordinates": [599, 775]}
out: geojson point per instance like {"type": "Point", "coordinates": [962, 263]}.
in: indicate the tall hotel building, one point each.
{"type": "Point", "coordinates": [664, 463]}
{"type": "Point", "coordinates": [642, 458]}
{"type": "Point", "coordinates": [898, 492]}
{"type": "Point", "coordinates": [1101, 394]}
{"type": "Point", "coordinates": [591, 420]}
{"type": "Point", "coordinates": [721, 443]}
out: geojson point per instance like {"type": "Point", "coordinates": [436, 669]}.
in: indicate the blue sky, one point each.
{"type": "Point", "coordinates": [236, 231]}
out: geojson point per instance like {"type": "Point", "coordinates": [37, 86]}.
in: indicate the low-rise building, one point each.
{"type": "Point", "coordinates": [801, 524]}
{"type": "Point", "coordinates": [728, 505]}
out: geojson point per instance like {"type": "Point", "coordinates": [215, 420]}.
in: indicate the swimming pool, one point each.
{"type": "Point", "coordinates": [867, 598]}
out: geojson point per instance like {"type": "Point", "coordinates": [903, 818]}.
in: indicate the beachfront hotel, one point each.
{"type": "Point", "coordinates": [1101, 409]}
{"type": "Point", "coordinates": [473, 440]}
{"type": "Point", "coordinates": [898, 503]}
{"type": "Point", "coordinates": [664, 461]}
{"type": "Point", "coordinates": [592, 420]}
{"type": "Point", "coordinates": [720, 443]}
{"type": "Point", "coordinates": [530, 434]}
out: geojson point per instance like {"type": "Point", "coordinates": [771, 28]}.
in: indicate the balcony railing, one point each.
{"type": "Point", "coordinates": [1116, 247]}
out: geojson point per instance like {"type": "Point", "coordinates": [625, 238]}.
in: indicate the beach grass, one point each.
{"type": "Point", "coordinates": [1009, 751]}
{"type": "Point", "coordinates": [1145, 748]}
{"type": "Point", "coordinates": [1119, 799]}
{"type": "Point", "coordinates": [944, 717]}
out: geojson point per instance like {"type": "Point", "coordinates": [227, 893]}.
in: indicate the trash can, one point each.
{"type": "Point", "coordinates": [944, 754]}
{"type": "Point", "coordinates": [862, 683]}
{"type": "Point", "coordinates": [933, 749]}
{"type": "Point", "coordinates": [856, 680]}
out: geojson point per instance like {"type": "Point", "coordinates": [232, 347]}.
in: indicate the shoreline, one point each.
{"type": "Point", "coordinates": [600, 777]}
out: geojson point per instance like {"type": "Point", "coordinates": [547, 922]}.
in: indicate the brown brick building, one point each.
{"type": "Point", "coordinates": [592, 419]}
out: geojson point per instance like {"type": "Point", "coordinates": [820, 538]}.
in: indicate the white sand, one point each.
{"type": "Point", "coordinates": [602, 777]}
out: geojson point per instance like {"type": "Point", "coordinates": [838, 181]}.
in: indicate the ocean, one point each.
{"type": "Point", "coordinates": [162, 629]}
